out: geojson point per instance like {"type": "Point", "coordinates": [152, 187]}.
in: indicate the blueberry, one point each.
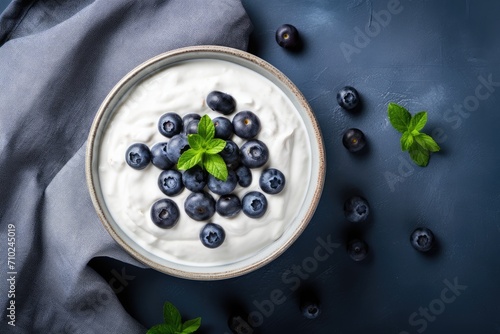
{"type": "Point", "coordinates": [310, 309]}
{"type": "Point", "coordinates": [170, 124]}
{"type": "Point", "coordinates": [200, 205]}
{"type": "Point", "coordinates": [195, 178]}
{"type": "Point", "coordinates": [192, 127]}
{"type": "Point", "coordinates": [176, 146]}
{"type": "Point", "coordinates": [170, 182]}
{"type": "Point", "coordinates": [422, 239]}
{"type": "Point", "coordinates": [357, 249]}
{"type": "Point", "coordinates": [221, 102]}
{"type": "Point", "coordinates": [165, 213]}
{"type": "Point", "coordinates": [159, 156]}
{"type": "Point", "coordinates": [138, 156]}
{"type": "Point", "coordinates": [287, 36]}
{"type": "Point", "coordinates": [356, 209]}
{"type": "Point", "coordinates": [354, 140]}
{"type": "Point", "coordinates": [188, 118]}
{"type": "Point", "coordinates": [246, 124]}
{"type": "Point", "coordinates": [228, 205]}
{"type": "Point", "coordinates": [254, 153]}
{"type": "Point", "coordinates": [348, 98]}
{"type": "Point", "coordinates": [220, 187]}
{"type": "Point", "coordinates": [244, 175]}
{"type": "Point", "coordinates": [272, 181]}
{"type": "Point", "coordinates": [212, 235]}
{"type": "Point", "coordinates": [223, 128]}
{"type": "Point", "coordinates": [254, 204]}
{"type": "Point", "coordinates": [231, 152]}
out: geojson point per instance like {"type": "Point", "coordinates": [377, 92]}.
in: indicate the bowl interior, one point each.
{"type": "Point", "coordinates": [163, 61]}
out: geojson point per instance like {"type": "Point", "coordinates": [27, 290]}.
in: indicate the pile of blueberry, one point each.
{"type": "Point", "coordinates": [200, 205]}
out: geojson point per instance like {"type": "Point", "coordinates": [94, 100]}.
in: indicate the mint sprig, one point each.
{"type": "Point", "coordinates": [204, 149]}
{"type": "Point", "coordinates": [173, 323]}
{"type": "Point", "coordinates": [419, 145]}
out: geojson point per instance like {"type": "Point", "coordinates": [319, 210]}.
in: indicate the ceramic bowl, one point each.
{"type": "Point", "coordinates": [221, 270]}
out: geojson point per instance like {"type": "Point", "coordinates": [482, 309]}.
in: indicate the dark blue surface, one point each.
{"type": "Point", "coordinates": [434, 56]}
{"type": "Point", "coordinates": [3, 4]}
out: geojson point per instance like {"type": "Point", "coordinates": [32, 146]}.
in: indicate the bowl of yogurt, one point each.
{"type": "Point", "coordinates": [179, 82]}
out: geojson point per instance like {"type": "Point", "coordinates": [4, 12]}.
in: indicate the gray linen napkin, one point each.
{"type": "Point", "coordinates": [58, 61]}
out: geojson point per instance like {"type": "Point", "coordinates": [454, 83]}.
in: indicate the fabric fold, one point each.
{"type": "Point", "coordinates": [58, 61]}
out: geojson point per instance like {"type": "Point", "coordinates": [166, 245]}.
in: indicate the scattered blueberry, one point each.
{"type": "Point", "coordinates": [188, 118]}
{"type": "Point", "coordinates": [223, 128]}
{"type": "Point", "coordinates": [195, 178]}
{"type": "Point", "coordinates": [192, 127]}
{"type": "Point", "coordinates": [170, 182]}
{"type": "Point", "coordinates": [200, 205]}
{"type": "Point", "coordinates": [357, 250]}
{"type": "Point", "coordinates": [212, 235]}
{"type": "Point", "coordinates": [422, 239]}
{"type": "Point", "coordinates": [254, 153]}
{"type": "Point", "coordinates": [165, 213]}
{"type": "Point", "coordinates": [176, 146]}
{"type": "Point", "coordinates": [348, 98]}
{"type": "Point", "coordinates": [310, 309]}
{"type": "Point", "coordinates": [220, 187]}
{"type": "Point", "coordinates": [221, 102]}
{"type": "Point", "coordinates": [244, 175]}
{"type": "Point", "coordinates": [354, 140]}
{"type": "Point", "coordinates": [254, 204]}
{"type": "Point", "coordinates": [231, 152]}
{"type": "Point", "coordinates": [246, 124]}
{"type": "Point", "coordinates": [228, 205]}
{"type": "Point", "coordinates": [159, 156]}
{"type": "Point", "coordinates": [287, 36]}
{"type": "Point", "coordinates": [170, 124]}
{"type": "Point", "coordinates": [272, 181]}
{"type": "Point", "coordinates": [138, 156]}
{"type": "Point", "coordinates": [356, 209]}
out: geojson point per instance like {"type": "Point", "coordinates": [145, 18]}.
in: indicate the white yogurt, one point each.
{"type": "Point", "coordinates": [182, 88]}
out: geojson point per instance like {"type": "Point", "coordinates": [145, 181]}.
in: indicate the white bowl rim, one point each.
{"type": "Point", "coordinates": [217, 52]}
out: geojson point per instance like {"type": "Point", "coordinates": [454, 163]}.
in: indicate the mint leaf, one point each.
{"type": "Point", "coordinates": [189, 159]}
{"type": "Point", "coordinates": [196, 142]}
{"type": "Point", "coordinates": [215, 146]}
{"type": "Point", "coordinates": [406, 141]}
{"type": "Point", "coordinates": [419, 155]}
{"type": "Point", "coordinates": [399, 117]}
{"type": "Point", "coordinates": [171, 316]}
{"type": "Point", "coordinates": [419, 145]}
{"type": "Point", "coordinates": [206, 128]}
{"type": "Point", "coordinates": [427, 142]}
{"type": "Point", "coordinates": [418, 121]}
{"type": "Point", "coordinates": [216, 166]}
{"type": "Point", "coordinates": [190, 326]}
{"type": "Point", "coordinates": [204, 149]}
{"type": "Point", "coordinates": [162, 329]}
{"type": "Point", "coordinates": [173, 322]}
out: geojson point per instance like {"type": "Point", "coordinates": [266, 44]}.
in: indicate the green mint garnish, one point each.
{"type": "Point", "coordinates": [418, 144]}
{"type": "Point", "coordinates": [173, 323]}
{"type": "Point", "coordinates": [204, 149]}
